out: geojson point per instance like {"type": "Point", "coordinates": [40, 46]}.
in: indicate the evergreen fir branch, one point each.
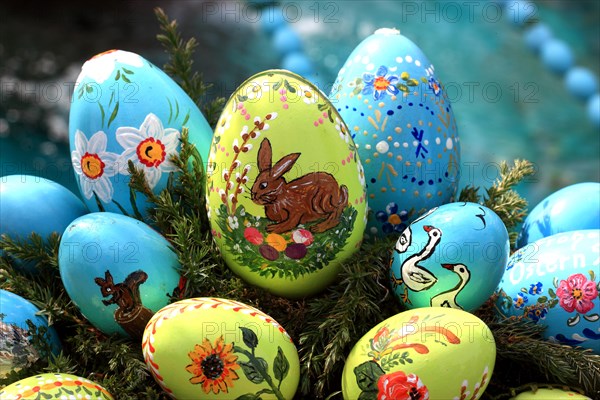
{"type": "Point", "coordinates": [469, 194]}
{"type": "Point", "coordinates": [33, 250]}
{"type": "Point", "coordinates": [519, 343]}
{"type": "Point", "coordinates": [339, 317]}
{"type": "Point", "coordinates": [180, 66]}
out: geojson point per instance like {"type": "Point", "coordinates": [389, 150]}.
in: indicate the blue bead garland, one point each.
{"type": "Point", "coordinates": [556, 55]}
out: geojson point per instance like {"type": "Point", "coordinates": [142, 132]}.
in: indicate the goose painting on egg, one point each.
{"type": "Point", "coordinates": [453, 256]}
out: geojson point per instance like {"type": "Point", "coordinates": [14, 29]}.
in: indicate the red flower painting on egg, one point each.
{"type": "Point", "coordinates": [399, 386]}
{"type": "Point", "coordinates": [576, 294]}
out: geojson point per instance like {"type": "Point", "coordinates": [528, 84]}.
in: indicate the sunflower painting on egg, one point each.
{"type": "Point", "coordinates": [285, 191]}
{"type": "Point", "coordinates": [403, 125]}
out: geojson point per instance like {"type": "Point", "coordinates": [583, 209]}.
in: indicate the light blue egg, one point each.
{"type": "Point", "coordinates": [16, 350]}
{"type": "Point", "coordinates": [453, 256]}
{"type": "Point", "coordinates": [593, 109]}
{"type": "Point", "coordinates": [30, 204]}
{"type": "Point", "coordinates": [117, 270]}
{"type": "Point", "coordinates": [125, 110]}
{"type": "Point", "coordinates": [402, 122]}
{"type": "Point", "coordinates": [571, 208]}
{"type": "Point", "coordinates": [581, 82]}
{"type": "Point", "coordinates": [557, 56]}
{"type": "Point", "coordinates": [286, 40]}
{"type": "Point", "coordinates": [536, 36]}
{"type": "Point", "coordinates": [554, 282]}
{"type": "Point", "coordinates": [298, 63]}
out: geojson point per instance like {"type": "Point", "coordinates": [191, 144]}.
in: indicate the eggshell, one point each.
{"type": "Point", "coordinates": [210, 348]}
{"type": "Point", "coordinates": [117, 270]}
{"type": "Point", "coordinates": [402, 122]}
{"type": "Point", "coordinates": [571, 208]}
{"type": "Point", "coordinates": [283, 170]}
{"type": "Point", "coordinates": [31, 204]}
{"type": "Point", "coordinates": [550, 394]}
{"type": "Point", "coordinates": [453, 256]}
{"type": "Point", "coordinates": [429, 353]}
{"type": "Point", "coordinates": [63, 386]}
{"type": "Point", "coordinates": [16, 349]}
{"type": "Point", "coordinates": [126, 109]}
{"type": "Point", "coordinates": [554, 282]}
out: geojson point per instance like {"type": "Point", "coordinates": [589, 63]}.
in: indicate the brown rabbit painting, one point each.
{"type": "Point", "coordinates": [315, 197]}
{"type": "Point", "coordinates": [286, 194]}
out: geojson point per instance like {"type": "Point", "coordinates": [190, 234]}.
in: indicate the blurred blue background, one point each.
{"type": "Point", "coordinates": [507, 101]}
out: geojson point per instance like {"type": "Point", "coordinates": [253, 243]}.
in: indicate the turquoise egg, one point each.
{"type": "Point", "coordinates": [30, 204]}
{"type": "Point", "coordinates": [125, 110]}
{"type": "Point", "coordinates": [554, 282]}
{"type": "Point", "coordinates": [402, 122]}
{"type": "Point", "coordinates": [572, 208]}
{"type": "Point", "coordinates": [118, 271]}
{"type": "Point", "coordinates": [16, 349]}
{"type": "Point", "coordinates": [453, 256]}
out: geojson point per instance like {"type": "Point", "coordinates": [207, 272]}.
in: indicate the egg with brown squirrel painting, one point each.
{"type": "Point", "coordinates": [285, 189]}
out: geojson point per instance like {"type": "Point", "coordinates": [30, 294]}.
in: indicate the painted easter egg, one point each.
{"type": "Point", "coordinates": [426, 353]}
{"type": "Point", "coordinates": [55, 386]}
{"type": "Point", "coordinates": [554, 282]}
{"type": "Point", "coordinates": [453, 256]}
{"type": "Point", "coordinates": [16, 332]}
{"type": "Point", "coordinates": [31, 204]}
{"type": "Point", "coordinates": [285, 191]}
{"type": "Point", "coordinates": [550, 394]}
{"type": "Point", "coordinates": [117, 270]}
{"type": "Point", "coordinates": [210, 348]}
{"type": "Point", "coordinates": [401, 120]}
{"type": "Point", "coordinates": [572, 208]}
{"type": "Point", "coordinates": [125, 109]}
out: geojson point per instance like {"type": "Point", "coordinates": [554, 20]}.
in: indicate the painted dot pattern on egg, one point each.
{"type": "Point", "coordinates": [409, 142]}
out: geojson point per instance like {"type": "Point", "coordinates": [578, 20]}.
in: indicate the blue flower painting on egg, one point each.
{"type": "Point", "coordinates": [404, 128]}
{"type": "Point", "coordinates": [453, 256]}
{"type": "Point", "coordinates": [125, 110]}
{"type": "Point", "coordinates": [554, 282]}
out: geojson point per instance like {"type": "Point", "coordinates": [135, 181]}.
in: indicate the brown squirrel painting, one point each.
{"type": "Point", "coordinates": [131, 313]}
{"type": "Point", "coordinates": [314, 197]}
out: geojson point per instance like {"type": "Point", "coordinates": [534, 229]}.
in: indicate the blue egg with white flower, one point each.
{"type": "Point", "coordinates": [118, 271]}
{"type": "Point", "coordinates": [453, 256]}
{"type": "Point", "coordinates": [403, 125]}
{"type": "Point", "coordinates": [554, 282]}
{"type": "Point", "coordinates": [19, 322]}
{"type": "Point", "coordinates": [571, 208]}
{"type": "Point", "coordinates": [126, 110]}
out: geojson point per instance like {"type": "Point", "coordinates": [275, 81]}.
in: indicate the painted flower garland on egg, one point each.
{"type": "Point", "coordinates": [150, 148]}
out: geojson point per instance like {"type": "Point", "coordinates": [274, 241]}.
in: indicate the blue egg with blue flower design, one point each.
{"type": "Point", "coordinates": [555, 282]}
{"type": "Point", "coordinates": [402, 123]}
{"type": "Point", "coordinates": [453, 256]}
{"type": "Point", "coordinates": [571, 208]}
{"type": "Point", "coordinates": [127, 111]}
{"type": "Point", "coordinates": [19, 322]}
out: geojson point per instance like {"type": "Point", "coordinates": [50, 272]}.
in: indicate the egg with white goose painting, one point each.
{"type": "Point", "coordinates": [402, 122]}
{"type": "Point", "coordinates": [453, 256]}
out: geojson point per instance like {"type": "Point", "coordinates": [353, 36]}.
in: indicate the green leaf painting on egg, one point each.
{"type": "Point", "coordinates": [286, 187]}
